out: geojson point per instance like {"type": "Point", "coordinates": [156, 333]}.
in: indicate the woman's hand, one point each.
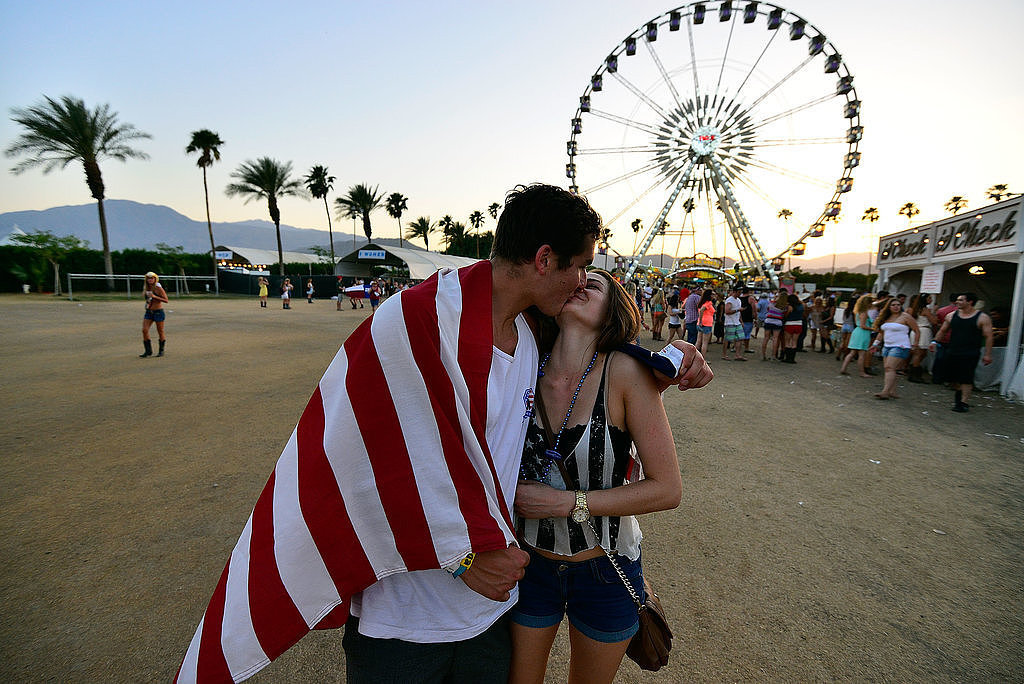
{"type": "Point", "coordinates": [535, 501]}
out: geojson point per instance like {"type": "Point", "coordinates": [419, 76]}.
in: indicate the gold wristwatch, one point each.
{"type": "Point", "coordinates": [580, 513]}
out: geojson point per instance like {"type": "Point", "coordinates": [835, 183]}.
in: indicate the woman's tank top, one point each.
{"type": "Point", "coordinates": [596, 456]}
{"type": "Point", "coordinates": [896, 334]}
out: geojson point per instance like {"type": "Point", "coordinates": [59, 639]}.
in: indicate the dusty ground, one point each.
{"type": "Point", "coordinates": [795, 556]}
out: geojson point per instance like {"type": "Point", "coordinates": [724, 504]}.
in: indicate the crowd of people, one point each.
{"type": "Point", "coordinates": [859, 329]}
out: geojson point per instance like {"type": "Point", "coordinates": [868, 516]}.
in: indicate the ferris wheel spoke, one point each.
{"type": "Point", "coordinates": [785, 142]}
{"type": "Point", "coordinates": [753, 67]}
{"type": "Point", "coordinates": [693, 62]}
{"type": "Point", "coordinates": [665, 77]}
{"type": "Point", "coordinates": [636, 200]}
{"type": "Point", "coordinates": [781, 81]}
{"type": "Point", "coordinates": [618, 150]}
{"type": "Point", "coordinates": [774, 168]}
{"type": "Point", "coordinates": [655, 107]}
{"type": "Point", "coordinates": [725, 58]}
{"type": "Point", "coordinates": [626, 176]}
{"type": "Point", "coordinates": [628, 122]}
{"type": "Point", "coordinates": [793, 110]}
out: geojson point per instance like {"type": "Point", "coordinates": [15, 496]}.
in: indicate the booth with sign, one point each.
{"type": "Point", "coordinates": [980, 252]}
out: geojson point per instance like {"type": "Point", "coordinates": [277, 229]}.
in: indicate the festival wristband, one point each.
{"type": "Point", "coordinates": [464, 564]}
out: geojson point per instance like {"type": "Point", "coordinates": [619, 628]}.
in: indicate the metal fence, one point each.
{"type": "Point", "coordinates": [174, 285]}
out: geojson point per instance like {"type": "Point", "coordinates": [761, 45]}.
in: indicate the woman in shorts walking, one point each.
{"type": "Point", "coordinates": [156, 297]}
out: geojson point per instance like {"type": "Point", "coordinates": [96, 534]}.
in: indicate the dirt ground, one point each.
{"type": "Point", "coordinates": [823, 535]}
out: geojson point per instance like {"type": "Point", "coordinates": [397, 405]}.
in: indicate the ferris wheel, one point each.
{"type": "Point", "coordinates": [718, 118]}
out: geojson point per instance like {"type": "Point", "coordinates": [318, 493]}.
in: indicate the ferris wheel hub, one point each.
{"type": "Point", "coordinates": [705, 141]}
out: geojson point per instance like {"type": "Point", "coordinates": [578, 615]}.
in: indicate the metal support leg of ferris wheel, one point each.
{"type": "Point", "coordinates": [750, 248]}
{"type": "Point", "coordinates": [655, 228]}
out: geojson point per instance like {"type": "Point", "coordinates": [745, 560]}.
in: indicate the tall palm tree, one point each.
{"type": "Point", "coordinates": [999, 191]}
{"type": "Point", "coordinates": [870, 215]}
{"type": "Point", "coordinates": [476, 219]}
{"type": "Point", "coordinates": [909, 210]}
{"type": "Point", "coordinates": [270, 179]}
{"type": "Point", "coordinates": [207, 143]}
{"type": "Point", "coordinates": [445, 224]}
{"type": "Point", "coordinates": [956, 204]}
{"type": "Point", "coordinates": [421, 229]}
{"type": "Point", "coordinates": [493, 210]}
{"type": "Point", "coordinates": [358, 203]}
{"type": "Point", "coordinates": [396, 206]}
{"type": "Point", "coordinates": [59, 132]}
{"type": "Point", "coordinates": [320, 183]}
{"type": "Point", "coordinates": [785, 214]}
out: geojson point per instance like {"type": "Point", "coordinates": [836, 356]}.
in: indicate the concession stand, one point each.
{"type": "Point", "coordinates": [981, 252]}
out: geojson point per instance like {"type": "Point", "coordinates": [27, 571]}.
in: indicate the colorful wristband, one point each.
{"type": "Point", "coordinates": [464, 565]}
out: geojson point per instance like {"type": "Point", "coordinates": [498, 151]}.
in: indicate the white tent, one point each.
{"type": "Point", "coordinates": [421, 264]}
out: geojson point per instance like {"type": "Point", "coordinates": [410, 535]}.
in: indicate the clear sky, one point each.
{"type": "Point", "coordinates": [453, 103]}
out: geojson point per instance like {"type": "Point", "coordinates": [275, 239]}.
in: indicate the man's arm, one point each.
{"type": "Point", "coordinates": [985, 323]}
{"type": "Point", "coordinates": [942, 330]}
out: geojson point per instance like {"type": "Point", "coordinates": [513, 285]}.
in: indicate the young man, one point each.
{"type": "Point", "coordinates": [968, 329]}
{"type": "Point", "coordinates": [395, 508]}
{"type": "Point", "coordinates": [690, 314]}
{"type": "Point", "coordinates": [733, 326]}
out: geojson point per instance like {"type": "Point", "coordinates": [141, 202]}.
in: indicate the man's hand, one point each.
{"type": "Point", "coordinates": [694, 371]}
{"type": "Point", "coordinates": [494, 573]}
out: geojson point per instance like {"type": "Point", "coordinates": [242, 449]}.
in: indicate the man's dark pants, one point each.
{"type": "Point", "coordinates": [691, 332]}
{"type": "Point", "coordinates": [484, 658]}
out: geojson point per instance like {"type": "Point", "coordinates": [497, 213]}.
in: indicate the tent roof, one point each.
{"type": "Point", "coordinates": [422, 264]}
{"type": "Point", "coordinates": [267, 257]}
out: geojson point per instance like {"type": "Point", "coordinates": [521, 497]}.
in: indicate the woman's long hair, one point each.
{"type": "Point", "coordinates": [918, 302]}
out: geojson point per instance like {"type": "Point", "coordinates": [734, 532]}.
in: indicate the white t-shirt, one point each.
{"type": "Point", "coordinates": [734, 317]}
{"type": "Point", "coordinates": [430, 606]}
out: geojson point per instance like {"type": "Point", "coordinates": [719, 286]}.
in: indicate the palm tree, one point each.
{"type": "Point", "coordinates": [270, 179]}
{"type": "Point", "coordinates": [396, 206]}
{"type": "Point", "coordinates": [421, 228]}
{"type": "Point", "coordinates": [493, 210]}
{"type": "Point", "coordinates": [999, 191]}
{"type": "Point", "coordinates": [956, 204]}
{"type": "Point", "coordinates": [59, 132]}
{"type": "Point", "coordinates": [358, 203]}
{"type": "Point", "coordinates": [870, 215]}
{"type": "Point", "coordinates": [784, 214]}
{"type": "Point", "coordinates": [207, 143]}
{"type": "Point", "coordinates": [909, 210]}
{"type": "Point", "coordinates": [320, 183]}
{"type": "Point", "coordinates": [445, 224]}
{"type": "Point", "coordinates": [476, 219]}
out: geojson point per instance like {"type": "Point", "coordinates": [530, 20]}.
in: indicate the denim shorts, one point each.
{"type": "Point", "coordinates": [747, 329]}
{"type": "Point", "coordinates": [898, 352]}
{"type": "Point", "coordinates": [155, 315]}
{"type": "Point", "coordinates": [589, 591]}
{"type": "Point", "coordinates": [706, 329]}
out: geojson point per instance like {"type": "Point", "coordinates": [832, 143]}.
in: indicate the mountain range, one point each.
{"type": "Point", "coordinates": [133, 225]}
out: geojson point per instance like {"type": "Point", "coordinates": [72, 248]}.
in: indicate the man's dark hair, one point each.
{"type": "Point", "coordinates": [953, 296]}
{"type": "Point", "coordinates": [970, 296]}
{"type": "Point", "coordinates": [536, 215]}
{"type": "Point", "coordinates": [746, 290]}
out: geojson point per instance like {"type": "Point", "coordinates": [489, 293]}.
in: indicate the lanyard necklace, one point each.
{"type": "Point", "coordinates": [553, 454]}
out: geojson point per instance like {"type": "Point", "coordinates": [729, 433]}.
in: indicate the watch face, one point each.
{"type": "Point", "coordinates": [704, 141]}
{"type": "Point", "coordinates": [580, 516]}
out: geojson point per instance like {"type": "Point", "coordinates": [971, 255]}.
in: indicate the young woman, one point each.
{"type": "Point", "coordinates": [155, 300]}
{"type": "Point", "coordinates": [773, 319]}
{"type": "Point", "coordinates": [657, 313]}
{"type": "Point", "coordinates": [894, 327]}
{"type": "Point", "coordinates": [705, 319]}
{"type": "Point", "coordinates": [793, 327]}
{"type": "Point", "coordinates": [286, 293]}
{"type": "Point", "coordinates": [264, 284]}
{"type": "Point", "coordinates": [598, 415]}
{"type": "Point", "coordinates": [310, 291]}
{"type": "Point", "coordinates": [844, 323]}
{"type": "Point", "coordinates": [927, 323]}
{"type": "Point", "coordinates": [860, 338]}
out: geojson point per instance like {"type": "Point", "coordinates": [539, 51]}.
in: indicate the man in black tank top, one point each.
{"type": "Point", "coordinates": [968, 329]}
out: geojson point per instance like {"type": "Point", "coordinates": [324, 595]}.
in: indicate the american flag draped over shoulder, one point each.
{"type": "Point", "coordinates": [388, 471]}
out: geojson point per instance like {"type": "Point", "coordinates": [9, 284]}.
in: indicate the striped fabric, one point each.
{"type": "Point", "coordinates": [388, 471]}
